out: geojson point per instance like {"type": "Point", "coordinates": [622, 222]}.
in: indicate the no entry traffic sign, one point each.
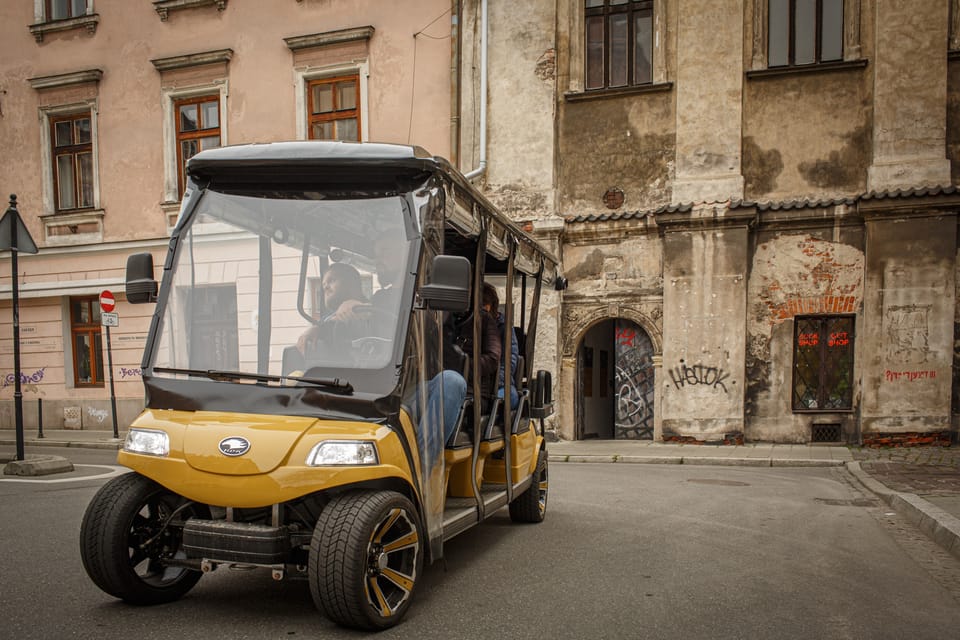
{"type": "Point", "coordinates": [107, 301]}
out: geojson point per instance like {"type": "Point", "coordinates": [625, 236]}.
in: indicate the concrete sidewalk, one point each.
{"type": "Point", "coordinates": [922, 484]}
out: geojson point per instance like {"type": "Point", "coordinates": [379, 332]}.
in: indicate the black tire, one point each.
{"type": "Point", "coordinates": [130, 527]}
{"type": "Point", "coordinates": [365, 559]}
{"type": "Point", "coordinates": [531, 505]}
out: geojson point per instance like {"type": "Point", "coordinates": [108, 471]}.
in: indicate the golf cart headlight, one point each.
{"type": "Point", "coordinates": [343, 452]}
{"type": "Point", "coordinates": [148, 442]}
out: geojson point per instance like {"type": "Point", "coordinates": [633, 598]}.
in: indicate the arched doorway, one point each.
{"type": "Point", "coordinates": [615, 382]}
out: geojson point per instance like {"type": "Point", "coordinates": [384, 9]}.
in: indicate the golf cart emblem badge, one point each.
{"type": "Point", "coordinates": [234, 446]}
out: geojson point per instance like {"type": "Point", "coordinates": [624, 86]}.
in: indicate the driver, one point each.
{"type": "Point", "coordinates": [342, 291]}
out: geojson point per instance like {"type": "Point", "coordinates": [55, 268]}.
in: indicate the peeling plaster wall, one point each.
{"type": "Point", "coordinates": [624, 142]}
{"type": "Point", "coordinates": [791, 274]}
{"type": "Point", "coordinates": [806, 135]}
{"type": "Point", "coordinates": [953, 118]}
{"type": "Point", "coordinates": [909, 309]}
{"type": "Point", "coordinates": [704, 314]}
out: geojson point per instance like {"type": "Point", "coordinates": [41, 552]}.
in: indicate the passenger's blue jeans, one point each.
{"type": "Point", "coordinates": [454, 393]}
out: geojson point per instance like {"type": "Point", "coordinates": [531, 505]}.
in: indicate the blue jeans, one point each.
{"type": "Point", "coordinates": [454, 393]}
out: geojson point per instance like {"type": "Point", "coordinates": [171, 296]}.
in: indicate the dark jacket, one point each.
{"type": "Point", "coordinates": [458, 345]}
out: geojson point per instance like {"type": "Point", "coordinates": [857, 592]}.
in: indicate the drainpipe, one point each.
{"type": "Point", "coordinates": [455, 30]}
{"type": "Point", "coordinates": [479, 171]}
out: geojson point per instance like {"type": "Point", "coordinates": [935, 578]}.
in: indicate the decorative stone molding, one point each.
{"type": "Point", "coordinates": [192, 60]}
{"type": "Point", "coordinates": [88, 22]}
{"type": "Point", "coordinates": [327, 38]}
{"type": "Point", "coordinates": [66, 79]}
{"type": "Point", "coordinates": [164, 7]}
{"type": "Point", "coordinates": [64, 229]}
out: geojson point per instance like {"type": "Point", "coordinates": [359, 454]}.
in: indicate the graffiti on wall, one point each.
{"type": "Point", "coordinates": [130, 373]}
{"type": "Point", "coordinates": [634, 382]}
{"type": "Point", "coordinates": [907, 332]}
{"type": "Point", "coordinates": [698, 374]}
{"type": "Point", "coordinates": [25, 378]}
{"type": "Point", "coordinates": [97, 414]}
{"type": "Point", "coordinates": [908, 376]}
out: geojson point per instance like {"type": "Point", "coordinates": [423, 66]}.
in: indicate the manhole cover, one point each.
{"type": "Point", "coordinates": [721, 483]}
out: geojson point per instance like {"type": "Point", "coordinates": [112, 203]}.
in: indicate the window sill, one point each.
{"type": "Point", "coordinates": [826, 67]}
{"type": "Point", "coordinates": [88, 22]}
{"type": "Point", "coordinates": [68, 229]}
{"type": "Point", "coordinates": [599, 94]}
{"type": "Point", "coordinates": [164, 7]}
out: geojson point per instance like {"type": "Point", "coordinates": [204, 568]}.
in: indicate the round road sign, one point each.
{"type": "Point", "coordinates": [107, 301]}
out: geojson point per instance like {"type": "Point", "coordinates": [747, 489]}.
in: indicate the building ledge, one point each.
{"type": "Point", "coordinates": [823, 67]}
{"type": "Point", "coordinates": [164, 7]}
{"type": "Point", "coordinates": [88, 22]}
{"type": "Point", "coordinates": [618, 92]}
{"type": "Point", "coordinates": [66, 229]}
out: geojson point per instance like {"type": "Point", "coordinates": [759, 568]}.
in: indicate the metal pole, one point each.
{"type": "Point", "coordinates": [17, 395]}
{"type": "Point", "coordinates": [113, 395]}
{"type": "Point", "coordinates": [40, 418]}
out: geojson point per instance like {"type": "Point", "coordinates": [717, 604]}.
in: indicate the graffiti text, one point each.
{"type": "Point", "coordinates": [35, 377]}
{"type": "Point", "coordinates": [698, 374]}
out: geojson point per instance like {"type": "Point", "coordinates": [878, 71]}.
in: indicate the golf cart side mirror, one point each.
{"type": "Point", "coordinates": [141, 287]}
{"type": "Point", "coordinates": [449, 286]}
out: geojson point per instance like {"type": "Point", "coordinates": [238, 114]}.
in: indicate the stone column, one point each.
{"type": "Point", "coordinates": [709, 89]}
{"type": "Point", "coordinates": [910, 88]}
{"type": "Point", "coordinates": [701, 381]}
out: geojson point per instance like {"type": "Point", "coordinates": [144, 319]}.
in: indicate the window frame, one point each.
{"type": "Point", "coordinates": [336, 114]}
{"type": "Point", "coordinates": [759, 36]}
{"type": "Point", "coordinates": [171, 180]}
{"type": "Point", "coordinates": [94, 331]}
{"type": "Point", "coordinates": [818, 33]}
{"type": "Point", "coordinates": [199, 134]}
{"type": "Point", "coordinates": [824, 341]}
{"type": "Point", "coordinates": [75, 149]}
{"type": "Point", "coordinates": [632, 9]}
{"type": "Point", "coordinates": [305, 75]}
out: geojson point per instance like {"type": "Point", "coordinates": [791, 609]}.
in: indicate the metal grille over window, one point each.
{"type": "Point", "coordinates": [823, 363]}
{"type": "Point", "coordinates": [825, 433]}
{"type": "Point", "coordinates": [618, 42]}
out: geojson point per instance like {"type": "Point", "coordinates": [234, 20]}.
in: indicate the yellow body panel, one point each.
{"type": "Point", "coordinates": [524, 449]}
{"type": "Point", "coordinates": [274, 470]}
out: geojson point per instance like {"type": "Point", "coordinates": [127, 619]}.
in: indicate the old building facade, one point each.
{"type": "Point", "coordinates": [754, 201]}
{"type": "Point", "coordinates": [101, 103]}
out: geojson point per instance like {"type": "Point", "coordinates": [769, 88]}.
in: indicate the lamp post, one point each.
{"type": "Point", "coordinates": [15, 237]}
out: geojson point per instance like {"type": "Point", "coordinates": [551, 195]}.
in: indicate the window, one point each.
{"type": "Point", "coordinates": [334, 108]}
{"type": "Point", "coordinates": [72, 153]}
{"type": "Point", "coordinates": [198, 128]}
{"type": "Point", "coordinates": [802, 32]}
{"type": "Point", "coordinates": [823, 363]}
{"type": "Point", "coordinates": [87, 342]}
{"type": "Point", "coordinates": [63, 9]}
{"type": "Point", "coordinates": [619, 43]}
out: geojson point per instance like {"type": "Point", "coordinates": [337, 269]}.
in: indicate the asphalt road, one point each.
{"type": "Point", "coordinates": [627, 551]}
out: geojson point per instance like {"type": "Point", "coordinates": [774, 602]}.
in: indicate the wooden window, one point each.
{"type": "Point", "coordinates": [823, 363]}
{"type": "Point", "coordinates": [198, 128]}
{"type": "Point", "coordinates": [334, 108]}
{"type": "Point", "coordinates": [64, 9]}
{"type": "Point", "coordinates": [803, 32]}
{"type": "Point", "coordinates": [618, 43]}
{"type": "Point", "coordinates": [85, 333]}
{"type": "Point", "coordinates": [72, 143]}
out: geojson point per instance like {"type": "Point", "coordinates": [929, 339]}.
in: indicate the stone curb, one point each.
{"type": "Point", "coordinates": [75, 444]}
{"type": "Point", "coordinates": [942, 527]}
{"type": "Point", "coordinates": [38, 466]}
{"type": "Point", "coordinates": [695, 460]}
